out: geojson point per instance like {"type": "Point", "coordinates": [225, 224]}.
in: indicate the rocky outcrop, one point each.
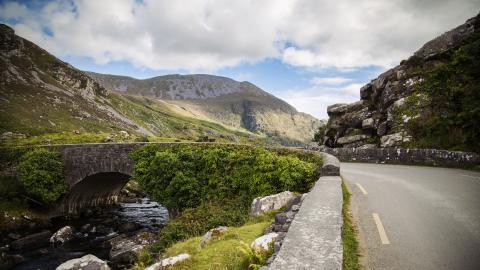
{"type": "Point", "coordinates": [377, 118]}
{"type": "Point", "coordinates": [87, 262]}
{"type": "Point", "coordinates": [63, 235]}
{"type": "Point", "coordinates": [264, 242]}
{"type": "Point", "coordinates": [125, 249]}
{"type": "Point", "coordinates": [211, 234]}
{"type": "Point", "coordinates": [261, 205]}
{"type": "Point", "coordinates": [165, 263]}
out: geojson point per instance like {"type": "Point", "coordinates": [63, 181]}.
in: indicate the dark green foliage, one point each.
{"type": "Point", "coordinates": [449, 104]}
{"type": "Point", "coordinates": [209, 185]}
{"type": "Point", "coordinates": [196, 221]}
{"type": "Point", "coordinates": [319, 134]}
{"type": "Point", "coordinates": [10, 192]}
{"type": "Point", "coordinates": [41, 173]}
{"type": "Point", "coordinates": [184, 176]}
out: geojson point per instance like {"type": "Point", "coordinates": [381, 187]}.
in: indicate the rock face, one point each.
{"type": "Point", "coordinates": [261, 205]}
{"type": "Point", "coordinates": [211, 234]}
{"type": "Point", "coordinates": [87, 262]}
{"type": "Point", "coordinates": [265, 241]}
{"type": "Point", "coordinates": [125, 249]}
{"type": "Point", "coordinates": [163, 264]}
{"type": "Point", "coordinates": [376, 118]}
{"type": "Point", "coordinates": [62, 236]}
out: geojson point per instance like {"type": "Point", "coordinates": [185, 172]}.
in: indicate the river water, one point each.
{"type": "Point", "coordinates": [93, 229]}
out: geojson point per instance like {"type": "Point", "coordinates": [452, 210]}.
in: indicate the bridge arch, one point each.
{"type": "Point", "coordinates": [95, 189]}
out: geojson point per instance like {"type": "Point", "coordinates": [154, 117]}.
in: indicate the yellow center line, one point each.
{"type": "Point", "coordinates": [362, 189]}
{"type": "Point", "coordinates": [381, 230]}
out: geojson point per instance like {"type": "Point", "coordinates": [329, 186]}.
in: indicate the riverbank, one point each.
{"type": "Point", "coordinates": [110, 233]}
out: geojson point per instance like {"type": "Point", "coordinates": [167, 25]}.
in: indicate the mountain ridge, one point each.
{"type": "Point", "coordinates": [44, 97]}
{"type": "Point", "coordinates": [233, 103]}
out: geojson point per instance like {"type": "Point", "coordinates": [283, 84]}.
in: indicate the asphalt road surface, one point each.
{"type": "Point", "coordinates": [412, 217]}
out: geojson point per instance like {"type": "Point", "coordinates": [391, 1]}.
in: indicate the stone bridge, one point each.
{"type": "Point", "coordinates": [95, 173]}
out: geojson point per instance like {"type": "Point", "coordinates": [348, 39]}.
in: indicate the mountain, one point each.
{"type": "Point", "coordinates": [430, 100]}
{"type": "Point", "coordinates": [236, 104]}
{"type": "Point", "coordinates": [45, 100]}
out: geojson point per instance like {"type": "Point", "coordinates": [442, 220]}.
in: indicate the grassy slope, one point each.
{"type": "Point", "coordinates": [225, 252]}
{"type": "Point", "coordinates": [48, 122]}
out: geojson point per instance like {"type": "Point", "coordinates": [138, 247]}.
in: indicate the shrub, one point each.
{"type": "Point", "coordinates": [205, 186]}
{"type": "Point", "coordinates": [41, 173]}
{"type": "Point", "coordinates": [184, 176]}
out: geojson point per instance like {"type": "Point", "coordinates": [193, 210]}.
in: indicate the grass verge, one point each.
{"type": "Point", "coordinates": [231, 250]}
{"type": "Point", "coordinates": [351, 251]}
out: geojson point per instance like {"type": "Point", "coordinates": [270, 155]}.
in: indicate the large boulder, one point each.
{"type": "Point", "coordinates": [32, 241]}
{"type": "Point", "coordinates": [63, 235]}
{"type": "Point", "coordinates": [394, 140]}
{"type": "Point", "coordinates": [366, 91]}
{"type": "Point", "coordinates": [87, 262]}
{"type": "Point", "coordinates": [163, 264]}
{"type": "Point", "coordinates": [125, 249]}
{"type": "Point", "coordinates": [368, 123]}
{"type": "Point", "coordinates": [264, 242]}
{"type": "Point", "coordinates": [351, 139]}
{"type": "Point", "coordinates": [337, 109]}
{"type": "Point", "coordinates": [211, 234]}
{"type": "Point", "coordinates": [261, 205]}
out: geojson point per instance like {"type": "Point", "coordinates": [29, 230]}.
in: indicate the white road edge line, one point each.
{"type": "Point", "coordinates": [381, 230]}
{"type": "Point", "coordinates": [362, 189]}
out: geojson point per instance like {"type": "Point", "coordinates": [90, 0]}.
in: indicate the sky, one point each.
{"type": "Point", "coordinates": [310, 53]}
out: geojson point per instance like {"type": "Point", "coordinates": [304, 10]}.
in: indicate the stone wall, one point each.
{"type": "Point", "coordinates": [314, 239]}
{"type": "Point", "coordinates": [430, 157]}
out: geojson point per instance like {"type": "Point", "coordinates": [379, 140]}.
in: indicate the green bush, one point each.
{"type": "Point", "coordinates": [205, 186]}
{"type": "Point", "coordinates": [319, 134]}
{"type": "Point", "coordinates": [184, 176]}
{"type": "Point", "coordinates": [41, 173]}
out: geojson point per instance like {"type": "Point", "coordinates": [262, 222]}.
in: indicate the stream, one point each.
{"type": "Point", "coordinates": [95, 232]}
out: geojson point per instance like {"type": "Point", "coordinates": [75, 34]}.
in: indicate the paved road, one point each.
{"type": "Point", "coordinates": [430, 216]}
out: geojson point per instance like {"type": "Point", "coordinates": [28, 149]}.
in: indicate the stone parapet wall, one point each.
{"type": "Point", "coordinates": [314, 239]}
{"type": "Point", "coordinates": [429, 157]}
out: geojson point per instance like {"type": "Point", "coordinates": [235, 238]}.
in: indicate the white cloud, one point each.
{"type": "Point", "coordinates": [329, 80]}
{"type": "Point", "coordinates": [211, 34]}
{"type": "Point", "coordinates": [315, 100]}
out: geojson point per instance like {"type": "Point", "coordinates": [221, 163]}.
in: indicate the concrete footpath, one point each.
{"type": "Point", "coordinates": [314, 240]}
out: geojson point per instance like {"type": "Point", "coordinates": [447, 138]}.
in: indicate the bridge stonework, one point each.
{"type": "Point", "coordinates": [83, 160]}
{"type": "Point", "coordinates": [95, 173]}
